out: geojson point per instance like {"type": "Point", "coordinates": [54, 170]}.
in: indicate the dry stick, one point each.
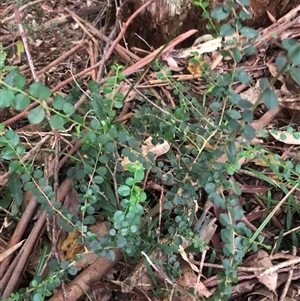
{"type": "Point", "coordinates": [24, 39]}
{"type": "Point", "coordinates": [289, 279]}
{"type": "Point", "coordinates": [150, 101]}
{"type": "Point", "coordinates": [124, 53]}
{"type": "Point", "coordinates": [61, 58]}
{"type": "Point", "coordinates": [146, 60]}
{"type": "Point", "coordinates": [48, 116]}
{"type": "Point", "coordinates": [31, 240]}
{"type": "Point", "coordinates": [23, 226]}
{"type": "Point", "coordinates": [105, 51]}
{"type": "Point", "coordinates": [90, 275]}
{"type": "Point", "coordinates": [9, 271]}
{"type": "Point", "coordinates": [76, 19]}
{"type": "Point", "coordinates": [17, 235]}
{"type": "Point", "coordinates": [276, 28]}
{"type": "Point", "coordinates": [27, 215]}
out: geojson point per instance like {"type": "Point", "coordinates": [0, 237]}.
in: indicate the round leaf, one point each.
{"type": "Point", "coordinates": [57, 122]}
{"type": "Point", "coordinates": [220, 12]}
{"type": "Point", "coordinates": [21, 102]}
{"type": "Point", "coordinates": [58, 102]}
{"type": "Point", "coordinates": [68, 108]}
{"type": "Point", "coordinates": [249, 32]}
{"type": "Point", "coordinates": [124, 190]}
{"type": "Point", "coordinates": [19, 80]}
{"type": "Point", "coordinates": [270, 99]}
{"type": "Point", "coordinates": [38, 90]}
{"type": "Point", "coordinates": [6, 98]}
{"type": "Point", "coordinates": [36, 115]}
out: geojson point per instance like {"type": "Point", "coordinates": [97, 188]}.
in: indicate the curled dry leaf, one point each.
{"type": "Point", "coordinates": [267, 295]}
{"type": "Point", "coordinates": [261, 259]}
{"type": "Point", "coordinates": [204, 44]}
{"type": "Point", "coordinates": [70, 247]}
{"type": "Point", "coordinates": [158, 150]}
{"type": "Point", "coordinates": [185, 258]}
{"type": "Point", "coordinates": [100, 292]}
{"type": "Point", "coordinates": [190, 279]}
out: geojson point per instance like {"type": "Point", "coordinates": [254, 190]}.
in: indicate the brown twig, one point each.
{"type": "Point", "coordinates": [31, 240]}
{"type": "Point", "coordinates": [24, 39]}
{"type": "Point", "coordinates": [60, 59]}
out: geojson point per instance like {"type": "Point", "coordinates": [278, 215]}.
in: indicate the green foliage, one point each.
{"type": "Point", "coordinates": [199, 133]}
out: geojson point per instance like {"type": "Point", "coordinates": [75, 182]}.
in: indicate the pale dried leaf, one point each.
{"type": "Point", "coordinates": [271, 17]}
{"type": "Point", "coordinates": [209, 45]}
{"type": "Point", "coordinates": [209, 231]}
{"type": "Point", "coordinates": [286, 137]}
{"type": "Point", "coordinates": [269, 280]}
{"type": "Point", "coordinates": [158, 150]}
{"type": "Point", "coordinates": [273, 70]}
{"type": "Point", "coordinates": [185, 258]}
{"type": "Point", "coordinates": [189, 279]}
{"type": "Point", "coordinates": [251, 94]}
{"type": "Point", "coordinates": [8, 252]}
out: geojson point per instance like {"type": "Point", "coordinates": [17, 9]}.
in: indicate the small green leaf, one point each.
{"type": "Point", "coordinates": [234, 114]}
{"type": "Point", "coordinates": [57, 122]}
{"type": "Point", "coordinates": [58, 102]}
{"type": "Point", "coordinates": [237, 213]}
{"type": "Point", "coordinates": [294, 54]}
{"type": "Point", "coordinates": [220, 12]}
{"type": "Point", "coordinates": [7, 153]}
{"type": "Point", "coordinates": [6, 98]}
{"type": "Point", "coordinates": [225, 220]}
{"type": "Point", "coordinates": [263, 83]}
{"type": "Point", "coordinates": [249, 32]}
{"type": "Point", "coordinates": [38, 297]}
{"type": "Point", "coordinates": [295, 72]}
{"type": "Point", "coordinates": [15, 188]}
{"type": "Point", "coordinates": [38, 90]}
{"type": "Point", "coordinates": [236, 54]}
{"type": "Point", "coordinates": [93, 86]}
{"type": "Point", "coordinates": [248, 115]}
{"type": "Point", "coordinates": [249, 132]}
{"type": "Point", "coordinates": [13, 137]}
{"type": "Point", "coordinates": [36, 115]}
{"type": "Point", "coordinates": [118, 104]}
{"type": "Point", "coordinates": [270, 99]}
{"type": "Point", "coordinates": [124, 190]}
{"type": "Point", "coordinates": [98, 179]}
{"type": "Point", "coordinates": [227, 30]}
{"type": "Point", "coordinates": [243, 77]}
{"type": "Point", "coordinates": [210, 187]}
{"type": "Point", "coordinates": [280, 62]}
{"type": "Point", "coordinates": [21, 101]}
{"type": "Point", "coordinates": [250, 50]}
{"type": "Point", "coordinates": [107, 90]}
{"type": "Point", "coordinates": [68, 108]}
{"type": "Point", "coordinates": [245, 2]}
{"type": "Point", "coordinates": [15, 166]}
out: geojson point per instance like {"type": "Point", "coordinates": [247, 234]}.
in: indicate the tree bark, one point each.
{"type": "Point", "coordinates": [165, 19]}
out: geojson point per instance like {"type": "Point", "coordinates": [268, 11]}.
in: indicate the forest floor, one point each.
{"type": "Point", "coordinates": [70, 46]}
